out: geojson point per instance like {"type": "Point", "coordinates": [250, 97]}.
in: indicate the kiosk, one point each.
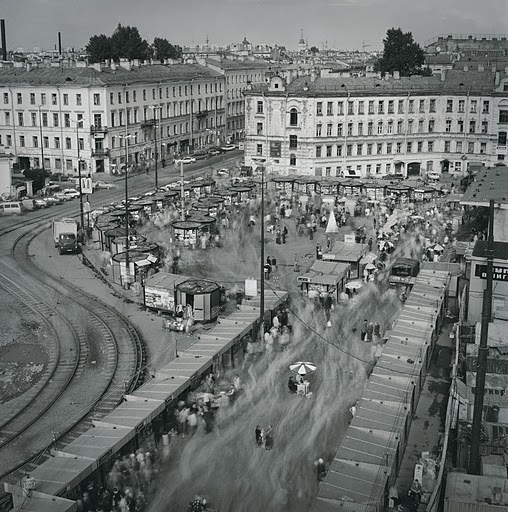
{"type": "Point", "coordinates": [203, 296]}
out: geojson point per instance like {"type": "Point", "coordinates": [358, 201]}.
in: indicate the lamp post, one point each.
{"type": "Point", "coordinates": [42, 140]}
{"type": "Point", "coordinates": [80, 181]}
{"type": "Point", "coordinates": [126, 138]}
{"type": "Point", "coordinates": [155, 108]}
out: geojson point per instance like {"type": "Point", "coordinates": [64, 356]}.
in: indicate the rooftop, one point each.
{"type": "Point", "coordinates": [489, 184]}
{"type": "Point", "coordinates": [91, 77]}
{"type": "Point", "coordinates": [500, 250]}
{"type": "Point", "coordinates": [233, 64]}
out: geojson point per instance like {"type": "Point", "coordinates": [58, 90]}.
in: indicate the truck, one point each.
{"type": "Point", "coordinates": [65, 235]}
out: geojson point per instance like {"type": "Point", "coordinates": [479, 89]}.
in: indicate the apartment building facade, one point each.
{"type": "Point", "coordinates": [56, 117]}
{"type": "Point", "coordinates": [361, 127]}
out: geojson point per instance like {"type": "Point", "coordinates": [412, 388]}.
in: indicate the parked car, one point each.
{"type": "Point", "coordinates": [185, 160]}
{"type": "Point", "coordinates": [40, 203]}
{"type": "Point", "coordinates": [214, 151]}
{"type": "Point", "coordinates": [58, 198]}
{"type": "Point", "coordinates": [71, 193]}
{"type": "Point", "coordinates": [102, 184]}
{"type": "Point", "coordinates": [228, 147]}
{"type": "Point", "coordinates": [433, 175]}
{"type": "Point", "coordinates": [223, 172]}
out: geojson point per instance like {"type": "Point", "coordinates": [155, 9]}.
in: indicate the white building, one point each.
{"type": "Point", "coordinates": [371, 126]}
{"type": "Point", "coordinates": [52, 116]}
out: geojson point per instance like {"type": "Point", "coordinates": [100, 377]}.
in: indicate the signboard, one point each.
{"type": "Point", "coordinates": [251, 288]}
{"type": "Point", "coordinates": [275, 149]}
{"type": "Point", "coordinates": [86, 185]}
{"type": "Point", "coordinates": [498, 273]}
{"type": "Point", "coordinates": [349, 238]}
{"type": "Point", "coordinates": [159, 299]}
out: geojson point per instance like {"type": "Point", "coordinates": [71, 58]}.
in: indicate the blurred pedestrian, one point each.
{"type": "Point", "coordinates": [363, 332]}
{"type": "Point", "coordinates": [370, 331]}
{"type": "Point", "coordinates": [320, 470]}
{"type": "Point", "coordinates": [269, 438]}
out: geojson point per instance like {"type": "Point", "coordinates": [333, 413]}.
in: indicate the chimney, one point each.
{"type": "Point", "coordinates": [60, 44]}
{"type": "Point", "coordinates": [481, 68]}
{"type": "Point", "coordinates": [97, 66]}
{"type": "Point", "coordinates": [396, 75]}
{"type": "Point", "coordinates": [387, 75]}
{"type": "Point", "coordinates": [443, 75]}
{"type": "Point", "coordinates": [113, 66]}
{"type": "Point", "coordinates": [466, 68]}
{"type": "Point", "coordinates": [29, 66]}
{"type": "Point", "coordinates": [497, 78]}
{"type": "Point", "coordinates": [125, 63]}
{"type": "Point", "coordinates": [4, 42]}
{"type": "Point", "coordinates": [135, 63]}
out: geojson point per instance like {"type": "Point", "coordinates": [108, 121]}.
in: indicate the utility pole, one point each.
{"type": "Point", "coordinates": [483, 351]}
{"type": "Point", "coordinates": [81, 215]}
{"type": "Point", "coordinates": [182, 197]}
{"type": "Point", "coordinates": [127, 262]}
{"type": "Point", "coordinates": [155, 132]}
{"type": "Point", "coordinates": [262, 281]}
{"type": "Point", "coordinates": [42, 140]}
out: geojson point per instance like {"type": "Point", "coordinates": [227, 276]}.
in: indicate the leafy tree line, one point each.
{"type": "Point", "coordinates": [126, 42]}
{"type": "Point", "coordinates": [401, 53]}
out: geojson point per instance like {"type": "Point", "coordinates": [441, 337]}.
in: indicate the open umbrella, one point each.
{"type": "Point", "coordinates": [370, 266]}
{"type": "Point", "coordinates": [302, 368]}
{"type": "Point", "coordinates": [438, 248]}
{"type": "Point", "coordinates": [354, 285]}
{"type": "Point", "coordinates": [370, 257]}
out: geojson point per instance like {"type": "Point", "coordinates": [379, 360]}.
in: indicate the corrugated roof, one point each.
{"type": "Point", "coordinates": [88, 77]}
{"type": "Point", "coordinates": [488, 184]}
{"type": "Point", "coordinates": [500, 250]}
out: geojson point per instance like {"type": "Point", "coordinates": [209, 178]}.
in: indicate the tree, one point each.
{"type": "Point", "coordinates": [401, 53]}
{"type": "Point", "coordinates": [314, 49]}
{"type": "Point", "coordinates": [99, 48]}
{"type": "Point", "coordinates": [38, 176]}
{"type": "Point", "coordinates": [127, 43]}
{"type": "Point", "coordinates": [163, 49]}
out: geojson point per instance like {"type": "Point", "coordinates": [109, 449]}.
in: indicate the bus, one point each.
{"type": "Point", "coordinates": [404, 271]}
{"type": "Point", "coordinates": [11, 208]}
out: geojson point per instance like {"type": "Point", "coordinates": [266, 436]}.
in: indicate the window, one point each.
{"type": "Point", "coordinates": [350, 129]}
{"type": "Point", "coordinates": [485, 108]}
{"type": "Point", "coordinates": [400, 126]}
{"type": "Point", "coordinates": [474, 104]}
{"type": "Point", "coordinates": [293, 117]}
{"type": "Point", "coordinates": [371, 107]}
{"type": "Point", "coordinates": [319, 108]}
{"type": "Point", "coordinates": [329, 128]}
{"type": "Point", "coordinates": [410, 125]}
{"type": "Point", "coordinates": [292, 159]}
{"type": "Point", "coordinates": [329, 108]}
{"type": "Point", "coordinates": [318, 151]}
{"type": "Point", "coordinates": [501, 139]}
{"type": "Point", "coordinates": [411, 106]}
{"type": "Point", "coordinates": [67, 120]}
{"type": "Point", "coordinates": [153, 93]}
{"type": "Point", "coordinates": [57, 142]}
{"type": "Point", "coordinates": [485, 127]}
{"type": "Point", "coordinates": [65, 99]}
{"type": "Point", "coordinates": [380, 107]}
{"type": "Point", "coordinates": [8, 140]}
{"type": "Point", "coordinates": [68, 164]}
{"type": "Point", "coordinates": [20, 98]}
{"type": "Point", "coordinates": [259, 109]}
{"type": "Point", "coordinates": [470, 147]}
{"type": "Point", "coordinates": [379, 148]}
{"type": "Point", "coordinates": [45, 141]}
{"type": "Point", "coordinates": [259, 149]}
{"type": "Point", "coordinates": [448, 125]}
{"type": "Point", "coordinates": [431, 125]}
{"type": "Point", "coordinates": [81, 143]}
{"type": "Point", "coordinates": [369, 169]}
{"type": "Point", "coordinates": [388, 168]}
{"type": "Point", "coordinates": [339, 130]}
{"type": "Point", "coordinates": [361, 107]}
{"type": "Point", "coordinates": [400, 108]}
{"type": "Point", "coordinates": [339, 149]}
{"type": "Point", "coordinates": [359, 149]}
{"type": "Point", "coordinates": [350, 108]}
{"type": "Point", "coordinates": [483, 147]}
{"type": "Point", "coordinates": [370, 128]}
{"type": "Point", "coordinates": [32, 98]}
{"type": "Point", "coordinates": [318, 130]}
{"type": "Point", "coordinates": [78, 99]}
{"type": "Point", "coordinates": [329, 151]}
{"type": "Point", "coordinates": [111, 98]}
{"type": "Point", "coordinates": [349, 150]}
{"type": "Point", "coordinates": [462, 106]}
{"type": "Point", "coordinates": [37, 162]}
{"type": "Point", "coordinates": [503, 116]}
{"type": "Point", "coordinates": [6, 98]}
{"type": "Point", "coordinates": [55, 120]}
{"type": "Point", "coordinates": [505, 86]}
{"type": "Point", "coordinates": [360, 128]}
{"type": "Point", "coordinates": [432, 105]}
{"type": "Point", "coordinates": [389, 147]}
{"type": "Point", "coordinates": [391, 107]}
{"type": "Point", "coordinates": [259, 129]}
{"type": "Point", "coordinates": [20, 119]}
{"type": "Point", "coordinates": [447, 146]}
{"type": "Point", "coordinates": [472, 126]}
{"type": "Point", "coordinates": [421, 106]}
{"type": "Point", "coordinates": [380, 127]}
{"type": "Point", "coordinates": [293, 142]}
{"type": "Point", "coordinates": [458, 147]}
{"type": "Point", "coordinates": [449, 105]}
{"type": "Point", "coordinates": [43, 98]}
{"type": "Point", "coordinates": [58, 164]}
{"type": "Point", "coordinates": [378, 168]}
{"type": "Point", "coordinates": [22, 141]}
{"type": "Point", "coordinates": [340, 108]}
{"type": "Point", "coordinates": [35, 142]}
{"type": "Point", "coordinates": [7, 118]}
{"type": "Point", "coordinates": [420, 126]}
{"type": "Point", "coordinates": [68, 143]}
{"type": "Point", "coordinates": [53, 99]}
{"type": "Point", "coordinates": [460, 126]}
{"type": "Point", "coordinates": [430, 146]}
{"type": "Point", "coordinates": [390, 126]}
{"type": "Point", "coordinates": [328, 171]}
{"type": "Point", "coordinates": [127, 97]}
{"type": "Point", "coordinates": [134, 99]}
{"type": "Point", "coordinates": [97, 99]}
{"type": "Point", "coordinates": [420, 146]}
{"type": "Point", "coordinates": [398, 147]}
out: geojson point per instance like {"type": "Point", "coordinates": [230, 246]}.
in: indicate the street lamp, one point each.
{"type": "Point", "coordinates": [82, 217]}
{"type": "Point", "coordinates": [155, 108]}
{"type": "Point", "coordinates": [126, 138]}
{"type": "Point", "coordinates": [42, 140]}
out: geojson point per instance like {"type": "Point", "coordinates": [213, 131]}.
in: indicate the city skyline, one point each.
{"type": "Point", "coordinates": [337, 23]}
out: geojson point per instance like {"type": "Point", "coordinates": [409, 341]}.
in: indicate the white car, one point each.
{"type": "Point", "coordinates": [229, 147]}
{"type": "Point", "coordinates": [223, 172]}
{"type": "Point", "coordinates": [433, 176]}
{"type": "Point", "coordinates": [186, 160]}
{"type": "Point", "coordinates": [70, 192]}
{"type": "Point", "coordinates": [102, 184]}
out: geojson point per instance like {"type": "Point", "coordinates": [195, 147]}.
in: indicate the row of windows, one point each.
{"type": "Point", "coordinates": [43, 99]}
{"type": "Point", "coordinates": [57, 164]}
{"type": "Point", "coordinates": [238, 79]}
{"type": "Point", "coordinates": [177, 91]}
{"type": "Point", "coordinates": [390, 148]}
{"type": "Point", "coordinates": [43, 118]}
{"type": "Point", "coordinates": [57, 144]}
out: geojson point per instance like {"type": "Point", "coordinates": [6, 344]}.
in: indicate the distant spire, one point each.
{"type": "Point", "coordinates": [302, 40]}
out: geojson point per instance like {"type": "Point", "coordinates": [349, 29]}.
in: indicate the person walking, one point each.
{"type": "Point", "coordinates": [364, 330]}
{"type": "Point", "coordinates": [278, 236]}
{"type": "Point", "coordinates": [377, 330]}
{"type": "Point", "coordinates": [320, 470]}
{"type": "Point", "coordinates": [370, 332]}
{"type": "Point", "coordinates": [257, 434]}
{"type": "Point", "coordinates": [284, 234]}
{"type": "Point", "coordinates": [274, 264]}
{"type": "Point", "coordinates": [269, 438]}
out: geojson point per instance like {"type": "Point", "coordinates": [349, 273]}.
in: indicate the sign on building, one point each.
{"type": "Point", "coordinates": [86, 185]}
{"type": "Point", "coordinates": [275, 149]}
{"type": "Point", "coordinates": [498, 273]}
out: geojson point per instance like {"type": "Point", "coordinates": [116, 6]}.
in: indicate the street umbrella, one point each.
{"type": "Point", "coordinates": [302, 368]}
{"type": "Point", "coordinates": [354, 285]}
{"type": "Point", "coordinates": [438, 248]}
{"type": "Point", "coordinates": [370, 266]}
{"type": "Point", "coordinates": [331, 227]}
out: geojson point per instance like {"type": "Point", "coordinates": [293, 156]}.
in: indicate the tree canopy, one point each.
{"type": "Point", "coordinates": [126, 42]}
{"type": "Point", "coordinates": [314, 49]}
{"type": "Point", "coordinates": [38, 176]}
{"type": "Point", "coordinates": [401, 53]}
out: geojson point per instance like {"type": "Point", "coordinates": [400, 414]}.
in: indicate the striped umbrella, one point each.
{"type": "Point", "coordinates": [302, 368]}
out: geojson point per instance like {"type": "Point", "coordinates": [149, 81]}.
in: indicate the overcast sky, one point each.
{"type": "Point", "coordinates": [341, 23]}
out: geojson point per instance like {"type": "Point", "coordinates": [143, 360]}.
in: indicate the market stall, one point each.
{"type": "Point", "coordinates": [325, 277]}
{"type": "Point", "coordinates": [203, 296]}
{"type": "Point", "coordinates": [186, 232]}
{"type": "Point", "coordinates": [159, 291]}
{"type": "Point", "coordinates": [350, 253]}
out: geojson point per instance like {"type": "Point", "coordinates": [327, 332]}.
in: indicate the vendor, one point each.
{"type": "Point", "coordinates": [292, 385]}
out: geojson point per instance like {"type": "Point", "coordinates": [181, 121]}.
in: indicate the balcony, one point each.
{"type": "Point", "coordinates": [98, 129]}
{"type": "Point", "coordinates": [100, 153]}
{"type": "Point", "coordinates": [201, 113]}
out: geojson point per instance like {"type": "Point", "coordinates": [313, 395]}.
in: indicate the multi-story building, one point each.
{"type": "Point", "coordinates": [55, 117]}
{"type": "Point", "coordinates": [238, 75]}
{"type": "Point", "coordinates": [375, 126]}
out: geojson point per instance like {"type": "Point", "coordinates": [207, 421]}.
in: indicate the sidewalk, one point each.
{"type": "Point", "coordinates": [429, 419]}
